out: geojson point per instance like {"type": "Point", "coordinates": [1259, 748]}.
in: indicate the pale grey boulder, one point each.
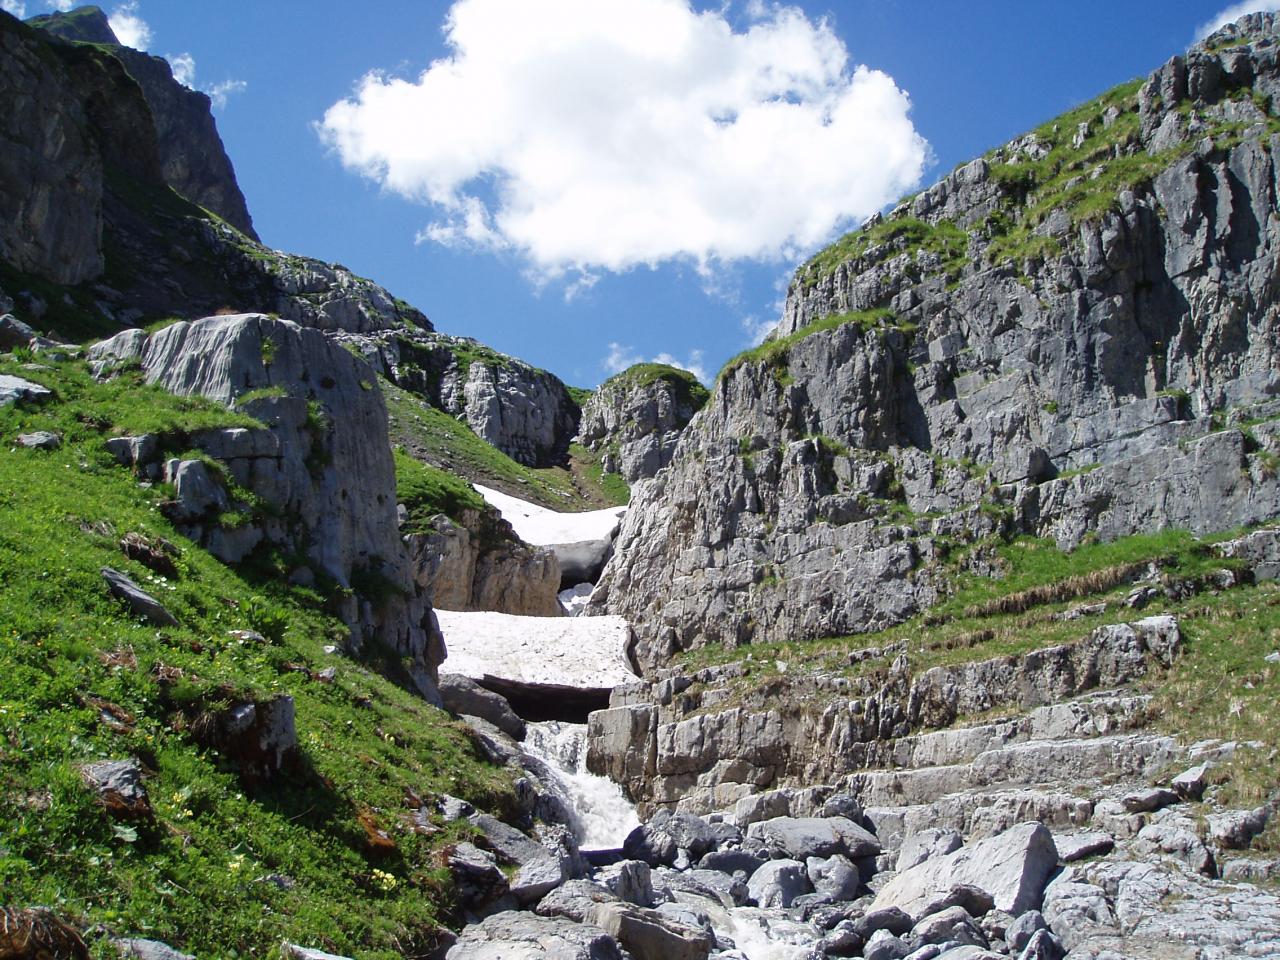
{"type": "Point", "coordinates": [803, 837]}
{"type": "Point", "coordinates": [651, 935]}
{"type": "Point", "coordinates": [931, 842]}
{"type": "Point", "coordinates": [526, 936]}
{"type": "Point", "coordinates": [778, 883]}
{"type": "Point", "coordinates": [462, 695]}
{"type": "Point", "coordinates": [630, 880]}
{"type": "Point", "coordinates": [39, 440]}
{"type": "Point", "coordinates": [15, 389]}
{"type": "Point", "coordinates": [139, 949]}
{"type": "Point", "coordinates": [1012, 867]}
{"type": "Point", "coordinates": [885, 946]}
{"type": "Point", "coordinates": [292, 951]}
{"type": "Point", "coordinates": [1191, 784]}
{"type": "Point", "coordinates": [835, 877]}
{"type": "Point", "coordinates": [1235, 829]}
{"type": "Point", "coordinates": [952, 925]}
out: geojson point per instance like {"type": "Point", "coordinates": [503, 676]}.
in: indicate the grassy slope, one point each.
{"type": "Point", "coordinates": [1221, 687]}
{"type": "Point", "coordinates": [434, 437]}
{"type": "Point", "coordinates": [195, 877]}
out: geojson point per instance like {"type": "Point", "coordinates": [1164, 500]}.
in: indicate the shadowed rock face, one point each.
{"type": "Point", "coordinates": [192, 156]}
{"type": "Point", "coordinates": [1078, 386]}
{"type": "Point", "coordinates": [324, 458]}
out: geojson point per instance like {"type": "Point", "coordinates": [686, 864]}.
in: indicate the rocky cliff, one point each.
{"type": "Point", "coordinates": [525, 412]}
{"type": "Point", "coordinates": [1072, 337]}
{"type": "Point", "coordinates": [98, 233]}
{"type": "Point", "coordinates": [634, 420]}
{"type": "Point", "coordinates": [316, 483]}
{"type": "Point", "coordinates": [192, 158]}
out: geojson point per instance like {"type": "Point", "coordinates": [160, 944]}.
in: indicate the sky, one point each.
{"type": "Point", "coordinates": [586, 184]}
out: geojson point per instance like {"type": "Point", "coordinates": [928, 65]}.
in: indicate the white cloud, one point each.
{"type": "Point", "coordinates": [219, 92]}
{"type": "Point", "coordinates": [621, 357]}
{"type": "Point", "coordinates": [62, 6]}
{"type": "Point", "coordinates": [184, 71]}
{"type": "Point", "coordinates": [15, 7]}
{"type": "Point", "coordinates": [605, 134]}
{"type": "Point", "coordinates": [184, 68]}
{"type": "Point", "coordinates": [129, 27]}
{"type": "Point", "coordinates": [756, 328]}
{"type": "Point", "coordinates": [1235, 12]}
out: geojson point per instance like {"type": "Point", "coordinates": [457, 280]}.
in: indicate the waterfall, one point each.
{"type": "Point", "coordinates": [603, 815]}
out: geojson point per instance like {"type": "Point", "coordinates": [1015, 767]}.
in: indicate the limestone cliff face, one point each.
{"type": "Point", "coordinates": [525, 412]}
{"type": "Point", "coordinates": [51, 178]}
{"type": "Point", "coordinates": [323, 463]}
{"type": "Point", "coordinates": [106, 161]}
{"type": "Point", "coordinates": [1074, 335]}
{"type": "Point", "coordinates": [192, 156]}
{"type": "Point", "coordinates": [634, 420]}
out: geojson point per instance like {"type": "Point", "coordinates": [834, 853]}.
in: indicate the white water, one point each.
{"type": "Point", "coordinates": [756, 934]}
{"type": "Point", "coordinates": [604, 815]}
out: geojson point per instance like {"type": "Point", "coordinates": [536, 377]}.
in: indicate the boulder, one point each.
{"type": "Point", "coordinates": [292, 951]}
{"type": "Point", "coordinates": [1148, 800]}
{"type": "Point", "coordinates": [1012, 867]}
{"type": "Point", "coordinates": [39, 440]}
{"type": "Point", "coordinates": [462, 695]}
{"type": "Point", "coordinates": [134, 949]}
{"type": "Point", "coordinates": [778, 883]}
{"type": "Point", "coordinates": [883, 945]}
{"type": "Point", "coordinates": [140, 602]}
{"type": "Point", "coordinates": [630, 881]}
{"type": "Point", "coordinates": [732, 861]}
{"type": "Point", "coordinates": [834, 877]}
{"type": "Point", "coordinates": [513, 935]}
{"type": "Point", "coordinates": [931, 842]}
{"type": "Point", "coordinates": [1177, 841]}
{"type": "Point", "coordinates": [477, 879]}
{"type": "Point", "coordinates": [15, 389]}
{"type": "Point", "coordinates": [1191, 784]}
{"type": "Point", "coordinates": [665, 835]}
{"type": "Point", "coordinates": [952, 925]}
{"type": "Point", "coordinates": [1043, 945]}
{"type": "Point", "coordinates": [650, 935]}
{"type": "Point", "coordinates": [1235, 829]}
{"type": "Point", "coordinates": [892, 919]}
{"type": "Point", "coordinates": [575, 900]}
{"type": "Point", "coordinates": [1077, 846]}
{"type": "Point", "coordinates": [803, 837]}
{"type": "Point", "coordinates": [1023, 928]}
{"type": "Point", "coordinates": [119, 786]}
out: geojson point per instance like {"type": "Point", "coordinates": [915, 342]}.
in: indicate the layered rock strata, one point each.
{"type": "Point", "coordinates": [1074, 336]}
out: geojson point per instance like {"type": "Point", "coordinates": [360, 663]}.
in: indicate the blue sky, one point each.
{"type": "Point", "coordinates": [598, 217]}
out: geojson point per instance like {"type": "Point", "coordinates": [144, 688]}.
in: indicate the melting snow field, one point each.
{"type": "Point", "coordinates": [542, 527]}
{"type": "Point", "coordinates": [587, 653]}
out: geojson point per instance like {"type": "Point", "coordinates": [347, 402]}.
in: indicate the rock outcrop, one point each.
{"type": "Point", "coordinates": [102, 146]}
{"type": "Point", "coordinates": [477, 566]}
{"type": "Point", "coordinates": [1073, 336]}
{"type": "Point", "coordinates": [192, 156]}
{"type": "Point", "coordinates": [51, 176]}
{"type": "Point", "coordinates": [322, 462]}
{"type": "Point", "coordinates": [634, 419]}
{"type": "Point", "coordinates": [525, 412]}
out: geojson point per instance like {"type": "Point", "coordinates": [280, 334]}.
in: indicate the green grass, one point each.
{"type": "Point", "coordinates": [688, 389]}
{"type": "Point", "coordinates": [903, 234]}
{"type": "Point", "coordinates": [433, 437]}
{"type": "Point", "coordinates": [195, 877]}
{"type": "Point", "coordinates": [966, 626]}
{"type": "Point", "coordinates": [775, 352]}
{"type": "Point", "coordinates": [580, 395]}
{"type": "Point", "coordinates": [426, 491]}
{"type": "Point", "coordinates": [611, 487]}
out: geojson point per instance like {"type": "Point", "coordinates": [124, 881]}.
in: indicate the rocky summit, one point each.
{"type": "Point", "coordinates": [945, 625]}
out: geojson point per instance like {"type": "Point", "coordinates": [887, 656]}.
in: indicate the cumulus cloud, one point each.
{"type": "Point", "coordinates": [1235, 12]}
{"type": "Point", "coordinates": [757, 328]}
{"type": "Point", "coordinates": [621, 357]}
{"type": "Point", "coordinates": [62, 6]}
{"type": "Point", "coordinates": [184, 71]}
{"type": "Point", "coordinates": [219, 92]}
{"type": "Point", "coordinates": [15, 7]}
{"type": "Point", "coordinates": [129, 27]}
{"type": "Point", "coordinates": [184, 68]}
{"type": "Point", "coordinates": [605, 134]}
